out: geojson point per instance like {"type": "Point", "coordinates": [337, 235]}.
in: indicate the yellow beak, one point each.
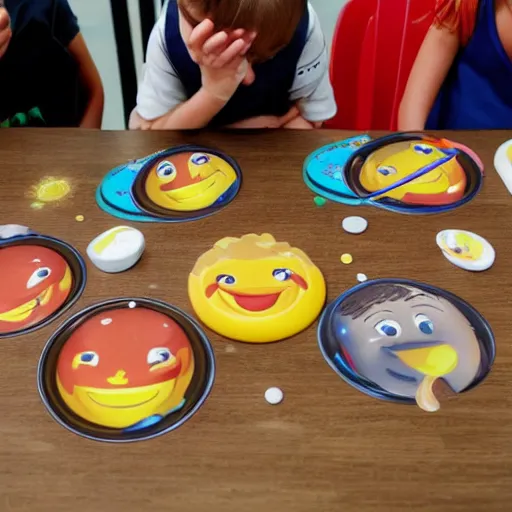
{"type": "Point", "coordinates": [432, 361]}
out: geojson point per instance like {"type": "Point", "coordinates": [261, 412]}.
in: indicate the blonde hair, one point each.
{"type": "Point", "coordinates": [275, 21]}
{"type": "Point", "coordinates": [248, 247]}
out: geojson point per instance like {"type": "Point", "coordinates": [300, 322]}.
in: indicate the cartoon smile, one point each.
{"type": "Point", "coordinates": [250, 301]}
{"type": "Point", "coordinates": [254, 288]}
{"type": "Point", "coordinates": [194, 191]}
{"type": "Point", "coordinates": [21, 313]}
{"type": "Point", "coordinates": [189, 181]}
{"type": "Point", "coordinates": [123, 399]}
{"type": "Point", "coordinates": [253, 300]}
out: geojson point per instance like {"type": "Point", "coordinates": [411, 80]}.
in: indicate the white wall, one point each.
{"type": "Point", "coordinates": [95, 21]}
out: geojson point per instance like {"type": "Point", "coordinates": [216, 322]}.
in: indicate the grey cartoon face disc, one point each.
{"type": "Point", "coordinates": [395, 339]}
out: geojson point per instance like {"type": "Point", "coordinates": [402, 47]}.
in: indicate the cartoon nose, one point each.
{"type": "Point", "coordinates": [119, 379]}
{"type": "Point", "coordinates": [435, 361]}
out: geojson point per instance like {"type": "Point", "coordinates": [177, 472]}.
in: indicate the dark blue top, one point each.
{"type": "Point", "coordinates": [38, 73]}
{"type": "Point", "coordinates": [268, 95]}
{"type": "Point", "coordinates": [56, 15]}
{"type": "Point", "coordinates": [477, 93]}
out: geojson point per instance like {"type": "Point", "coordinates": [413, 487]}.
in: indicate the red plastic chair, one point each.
{"type": "Point", "coordinates": [374, 47]}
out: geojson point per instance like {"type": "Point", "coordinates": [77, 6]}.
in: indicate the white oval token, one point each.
{"type": "Point", "coordinates": [354, 225]}
{"type": "Point", "coordinates": [362, 278]}
{"type": "Point", "coordinates": [503, 164]}
{"type": "Point", "coordinates": [274, 396]}
{"type": "Point", "coordinates": [466, 250]}
{"type": "Point", "coordinates": [117, 249]}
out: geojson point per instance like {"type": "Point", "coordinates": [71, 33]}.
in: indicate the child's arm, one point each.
{"type": "Point", "coordinates": [223, 65]}
{"type": "Point", "coordinates": [193, 114]}
{"type": "Point", "coordinates": [91, 80]}
{"type": "Point", "coordinates": [430, 69]}
{"type": "Point", "coordinates": [5, 30]}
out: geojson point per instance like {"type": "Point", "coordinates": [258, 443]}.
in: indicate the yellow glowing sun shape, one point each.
{"type": "Point", "coordinates": [49, 190]}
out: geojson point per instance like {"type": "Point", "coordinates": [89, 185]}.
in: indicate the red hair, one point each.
{"type": "Point", "coordinates": [458, 16]}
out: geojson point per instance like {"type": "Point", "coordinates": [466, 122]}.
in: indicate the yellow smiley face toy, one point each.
{"type": "Point", "coordinates": [255, 289]}
{"type": "Point", "coordinates": [189, 181]}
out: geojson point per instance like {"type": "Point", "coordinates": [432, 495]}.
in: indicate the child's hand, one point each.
{"type": "Point", "coordinates": [221, 58]}
{"type": "Point", "coordinates": [5, 31]}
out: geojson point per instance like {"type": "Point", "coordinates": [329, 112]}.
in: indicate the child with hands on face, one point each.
{"type": "Point", "coordinates": [235, 63]}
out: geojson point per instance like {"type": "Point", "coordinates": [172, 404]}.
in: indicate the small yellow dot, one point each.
{"type": "Point", "coordinates": [346, 259]}
{"type": "Point", "coordinates": [79, 218]}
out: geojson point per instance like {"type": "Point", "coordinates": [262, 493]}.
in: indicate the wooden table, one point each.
{"type": "Point", "coordinates": [328, 447]}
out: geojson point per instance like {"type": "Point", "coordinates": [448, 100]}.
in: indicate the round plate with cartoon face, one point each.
{"type": "Point", "coordinates": [405, 173]}
{"type": "Point", "coordinates": [404, 341]}
{"type": "Point", "coordinates": [179, 184]}
{"type": "Point", "coordinates": [126, 370]}
{"type": "Point", "coordinates": [41, 277]}
{"type": "Point", "coordinates": [255, 289]}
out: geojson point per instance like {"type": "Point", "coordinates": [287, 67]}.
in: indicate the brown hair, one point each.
{"type": "Point", "coordinates": [275, 21]}
{"type": "Point", "coordinates": [361, 301]}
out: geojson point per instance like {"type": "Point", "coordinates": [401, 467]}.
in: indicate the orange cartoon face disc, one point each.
{"type": "Point", "coordinates": [36, 282]}
{"type": "Point", "coordinates": [185, 182]}
{"type": "Point", "coordinates": [129, 369]}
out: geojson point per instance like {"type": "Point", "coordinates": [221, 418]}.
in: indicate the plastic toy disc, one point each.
{"type": "Point", "coordinates": [126, 370]}
{"type": "Point", "coordinates": [176, 185]}
{"type": "Point", "coordinates": [405, 173]}
{"type": "Point", "coordinates": [41, 277]}
{"type": "Point", "coordinates": [255, 289]}
{"type": "Point", "coordinates": [400, 340]}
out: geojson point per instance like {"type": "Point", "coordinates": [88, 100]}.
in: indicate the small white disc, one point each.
{"type": "Point", "coordinates": [362, 278]}
{"type": "Point", "coordinates": [274, 396]}
{"type": "Point", "coordinates": [355, 225]}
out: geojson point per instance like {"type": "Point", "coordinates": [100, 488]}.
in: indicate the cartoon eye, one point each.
{"type": "Point", "coordinates": [424, 324]}
{"type": "Point", "coordinates": [38, 277]}
{"type": "Point", "coordinates": [386, 170]}
{"type": "Point", "coordinates": [282, 274]}
{"type": "Point", "coordinates": [199, 159]}
{"type": "Point", "coordinates": [226, 279]}
{"type": "Point", "coordinates": [159, 355]}
{"type": "Point", "coordinates": [89, 358]}
{"type": "Point", "coordinates": [389, 328]}
{"type": "Point", "coordinates": [165, 169]}
{"type": "Point", "coordinates": [423, 149]}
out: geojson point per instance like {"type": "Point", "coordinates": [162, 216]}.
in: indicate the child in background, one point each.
{"type": "Point", "coordinates": [462, 77]}
{"type": "Point", "coordinates": [235, 63]}
{"type": "Point", "coordinates": [48, 76]}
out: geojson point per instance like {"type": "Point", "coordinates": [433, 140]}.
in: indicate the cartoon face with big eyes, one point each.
{"type": "Point", "coordinates": [36, 282]}
{"type": "Point", "coordinates": [396, 336]}
{"type": "Point", "coordinates": [189, 181]}
{"type": "Point", "coordinates": [444, 184]}
{"type": "Point", "coordinates": [255, 289]}
{"type": "Point", "coordinates": [125, 366]}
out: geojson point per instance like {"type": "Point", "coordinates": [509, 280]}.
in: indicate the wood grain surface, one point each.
{"type": "Point", "coordinates": [327, 447]}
